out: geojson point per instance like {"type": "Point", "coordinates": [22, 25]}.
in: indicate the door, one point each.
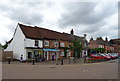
{"type": "Point", "coordinates": [29, 55]}
{"type": "Point", "coordinates": [46, 55]}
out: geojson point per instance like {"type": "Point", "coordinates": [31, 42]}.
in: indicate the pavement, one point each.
{"type": "Point", "coordinates": [45, 70]}
{"type": "Point", "coordinates": [66, 62]}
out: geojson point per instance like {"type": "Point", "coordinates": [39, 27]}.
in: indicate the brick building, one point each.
{"type": "Point", "coordinates": [35, 41]}
{"type": "Point", "coordinates": [100, 43]}
{"type": "Point", "coordinates": [116, 44]}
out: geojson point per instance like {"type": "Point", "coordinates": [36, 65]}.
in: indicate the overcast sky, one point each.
{"type": "Point", "coordinates": [92, 18]}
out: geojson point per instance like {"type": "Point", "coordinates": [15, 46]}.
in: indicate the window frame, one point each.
{"type": "Point", "coordinates": [36, 42]}
{"type": "Point", "coordinates": [62, 44]}
{"type": "Point", "coordinates": [56, 44]}
{"type": "Point", "coordinates": [46, 43]}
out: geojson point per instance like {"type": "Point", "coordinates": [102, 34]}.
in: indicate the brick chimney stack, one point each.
{"type": "Point", "coordinates": [72, 32]}
{"type": "Point", "coordinates": [106, 39]}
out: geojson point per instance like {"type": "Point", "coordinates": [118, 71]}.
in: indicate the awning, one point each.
{"type": "Point", "coordinates": [47, 49]}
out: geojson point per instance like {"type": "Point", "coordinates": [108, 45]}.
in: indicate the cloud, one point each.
{"type": "Point", "coordinates": [86, 13]}
{"type": "Point", "coordinates": [90, 17]}
{"type": "Point", "coordinates": [13, 12]}
{"type": "Point", "coordinates": [93, 18]}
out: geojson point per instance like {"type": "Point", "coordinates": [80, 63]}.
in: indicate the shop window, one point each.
{"type": "Point", "coordinates": [29, 54]}
{"type": "Point", "coordinates": [46, 43]}
{"type": "Point", "coordinates": [36, 43]}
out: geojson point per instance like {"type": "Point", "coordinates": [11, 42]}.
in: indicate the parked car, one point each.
{"type": "Point", "coordinates": [119, 55]}
{"type": "Point", "coordinates": [116, 54]}
{"type": "Point", "coordinates": [105, 56]}
{"type": "Point", "coordinates": [111, 55]}
{"type": "Point", "coordinates": [97, 56]}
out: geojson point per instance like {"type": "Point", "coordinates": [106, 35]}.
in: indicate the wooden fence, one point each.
{"type": "Point", "coordinates": [6, 54]}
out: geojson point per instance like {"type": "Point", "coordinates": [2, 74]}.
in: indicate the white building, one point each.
{"type": "Point", "coordinates": [21, 44]}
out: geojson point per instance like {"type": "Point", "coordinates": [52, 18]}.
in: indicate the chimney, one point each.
{"type": "Point", "coordinates": [91, 38]}
{"type": "Point", "coordinates": [85, 35]}
{"type": "Point", "coordinates": [106, 39]}
{"type": "Point", "coordinates": [72, 32]}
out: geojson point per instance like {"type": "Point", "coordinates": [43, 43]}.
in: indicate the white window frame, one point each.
{"type": "Point", "coordinates": [62, 44]}
{"type": "Point", "coordinates": [69, 53]}
{"type": "Point", "coordinates": [46, 43]}
{"type": "Point", "coordinates": [99, 46]}
{"type": "Point", "coordinates": [56, 44]}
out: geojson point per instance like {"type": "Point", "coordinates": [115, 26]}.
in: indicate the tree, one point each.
{"type": "Point", "coordinates": [77, 48]}
{"type": "Point", "coordinates": [5, 45]}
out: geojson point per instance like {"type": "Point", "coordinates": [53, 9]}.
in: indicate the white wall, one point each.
{"type": "Point", "coordinates": [18, 45]}
{"type": "Point", "coordinates": [31, 43]}
{"type": "Point", "coordinates": [10, 47]}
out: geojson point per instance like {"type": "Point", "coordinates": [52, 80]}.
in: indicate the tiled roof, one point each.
{"type": "Point", "coordinates": [115, 41]}
{"type": "Point", "coordinates": [30, 32]}
{"type": "Point", "coordinates": [100, 41]}
{"type": "Point", "coordinates": [42, 33]}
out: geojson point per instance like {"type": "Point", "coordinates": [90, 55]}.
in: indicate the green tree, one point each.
{"type": "Point", "coordinates": [77, 48]}
{"type": "Point", "coordinates": [5, 45]}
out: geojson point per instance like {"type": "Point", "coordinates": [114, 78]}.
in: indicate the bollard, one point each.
{"type": "Point", "coordinates": [56, 61]}
{"type": "Point", "coordinates": [69, 60]}
{"type": "Point", "coordinates": [8, 61]}
{"type": "Point", "coordinates": [33, 62]}
{"type": "Point", "coordinates": [62, 62]}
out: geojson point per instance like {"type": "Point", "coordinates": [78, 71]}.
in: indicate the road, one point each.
{"type": "Point", "coordinates": [104, 70]}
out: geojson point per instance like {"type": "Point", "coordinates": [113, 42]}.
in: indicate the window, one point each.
{"type": "Point", "coordinates": [36, 42]}
{"type": "Point", "coordinates": [62, 53]}
{"type": "Point", "coordinates": [29, 55]}
{"type": "Point", "coordinates": [99, 46]}
{"type": "Point", "coordinates": [61, 44]}
{"type": "Point", "coordinates": [85, 44]}
{"type": "Point", "coordinates": [46, 43]}
{"type": "Point", "coordinates": [69, 54]}
{"type": "Point", "coordinates": [56, 44]}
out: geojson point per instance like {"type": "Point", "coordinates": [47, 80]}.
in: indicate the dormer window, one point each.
{"type": "Point", "coordinates": [36, 43]}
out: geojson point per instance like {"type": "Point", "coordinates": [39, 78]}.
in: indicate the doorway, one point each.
{"type": "Point", "coordinates": [46, 55]}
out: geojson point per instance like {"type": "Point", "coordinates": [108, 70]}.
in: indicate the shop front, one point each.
{"type": "Point", "coordinates": [51, 54]}
{"type": "Point", "coordinates": [36, 54]}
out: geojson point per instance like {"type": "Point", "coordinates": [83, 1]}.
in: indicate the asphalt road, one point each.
{"type": "Point", "coordinates": [103, 70]}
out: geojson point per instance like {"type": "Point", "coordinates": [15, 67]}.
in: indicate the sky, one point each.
{"type": "Point", "coordinates": [96, 19]}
